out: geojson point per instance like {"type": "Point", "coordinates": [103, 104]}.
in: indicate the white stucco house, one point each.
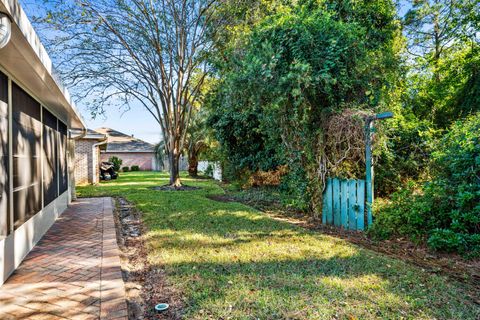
{"type": "Point", "coordinates": [37, 124]}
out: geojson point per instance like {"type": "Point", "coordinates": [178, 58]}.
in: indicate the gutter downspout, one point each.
{"type": "Point", "coordinates": [73, 191]}
{"type": "Point", "coordinates": [94, 156]}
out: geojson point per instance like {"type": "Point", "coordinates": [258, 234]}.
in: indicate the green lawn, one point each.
{"type": "Point", "coordinates": [230, 261]}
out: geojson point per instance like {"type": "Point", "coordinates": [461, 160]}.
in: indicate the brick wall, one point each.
{"type": "Point", "coordinates": [143, 160]}
{"type": "Point", "coordinates": [84, 171]}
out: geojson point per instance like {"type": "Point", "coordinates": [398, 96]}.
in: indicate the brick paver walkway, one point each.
{"type": "Point", "coordinates": [74, 271]}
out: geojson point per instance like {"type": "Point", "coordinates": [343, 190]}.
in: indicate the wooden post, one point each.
{"type": "Point", "coordinates": [369, 168]}
{"type": "Point", "coordinates": [368, 160]}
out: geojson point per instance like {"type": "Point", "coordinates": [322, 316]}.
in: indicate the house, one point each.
{"type": "Point", "coordinates": [132, 151]}
{"type": "Point", "coordinates": [87, 157]}
{"type": "Point", "coordinates": [36, 140]}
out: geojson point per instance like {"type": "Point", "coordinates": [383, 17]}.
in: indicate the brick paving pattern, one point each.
{"type": "Point", "coordinates": [73, 272]}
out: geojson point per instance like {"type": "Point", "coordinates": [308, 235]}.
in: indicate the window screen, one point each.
{"type": "Point", "coordinates": [4, 181]}
{"type": "Point", "coordinates": [63, 169]}
{"type": "Point", "coordinates": [50, 157]}
{"type": "Point", "coordinates": [26, 130]}
{"type": "Point", "coordinates": [3, 88]}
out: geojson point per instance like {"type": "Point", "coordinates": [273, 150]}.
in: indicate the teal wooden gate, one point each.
{"type": "Point", "coordinates": [344, 204]}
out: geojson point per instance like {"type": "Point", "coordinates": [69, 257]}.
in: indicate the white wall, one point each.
{"type": "Point", "coordinates": [217, 169]}
{"type": "Point", "coordinates": [15, 247]}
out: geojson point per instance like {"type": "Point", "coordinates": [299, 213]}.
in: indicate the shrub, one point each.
{"type": "Point", "coordinates": [447, 240]}
{"type": "Point", "coordinates": [209, 170]}
{"type": "Point", "coordinates": [135, 168]}
{"type": "Point", "coordinates": [267, 178]}
{"type": "Point", "coordinates": [447, 208]}
{"type": "Point", "coordinates": [125, 169]}
{"type": "Point", "coordinates": [117, 162]}
{"type": "Point", "coordinates": [294, 189]}
{"type": "Point", "coordinates": [406, 214]}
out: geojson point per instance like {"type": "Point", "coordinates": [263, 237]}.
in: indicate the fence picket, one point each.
{"type": "Point", "coordinates": [329, 199]}
{"type": "Point", "coordinates": [336, 202]}
{"type": "Point", "coordinates": [352, 200]}
{"type": "Point", "coordinates": [361, 205]}
{"type": "Point", "coordinates": [344, 203]}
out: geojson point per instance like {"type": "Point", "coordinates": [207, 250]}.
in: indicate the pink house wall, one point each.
{"type": "Point", "coordinates": [142, 159]}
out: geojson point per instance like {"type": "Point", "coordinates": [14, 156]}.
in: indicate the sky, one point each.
{"type": "Point", "coordinates": [135, 121]}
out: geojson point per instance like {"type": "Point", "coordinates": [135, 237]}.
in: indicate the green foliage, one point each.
{"type": "Point", "coordinates": [290, 73]}
{"type": "Point", "coordinates": [117, 162]}
{"type": "Point", "coordinates": [209, 171]}
{"type": "Point", "coordinates": [405, 155]}
{"type": "Point", "coordinates": [135, 168]}
{"type": "Point", "coordinates": [448, 207]}
{"type": "Point", "coordinates": [294, 189]}
{"type": "Point", "coordinates": [405, 215]}
{"type": "Point", "coordinates": [125, 169]}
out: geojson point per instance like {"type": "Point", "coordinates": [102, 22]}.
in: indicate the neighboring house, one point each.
{"type": "Point", "coordinates": [132, 151]}
{"type": "Point", "coordinates": [87, 157]}
{"type": "Point", "coordinates": [36, 147]}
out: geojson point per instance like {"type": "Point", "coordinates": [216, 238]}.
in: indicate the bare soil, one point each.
{"type": "Point", "coordinates": [145, 284]}
{"type": "Point", "coordinates": [451, 265]}
{"type": "Point", "coordinates": [168, 187]}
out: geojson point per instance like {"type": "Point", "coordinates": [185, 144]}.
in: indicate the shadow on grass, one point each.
{"type": "Point", "coordinates": [230, 260]}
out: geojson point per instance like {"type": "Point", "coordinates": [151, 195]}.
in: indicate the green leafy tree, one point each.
{"type": "Point", "coordinates": [442, 38]}
{"type": "Point", "coordinates": [292, 73]}
{"type": "Point", "coordinates": [154, 52]}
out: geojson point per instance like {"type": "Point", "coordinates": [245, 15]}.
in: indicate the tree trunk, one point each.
{"type": "Point", "coordinates": [192, 164]}
{"type": "Point", "coordinates": [174, 160]}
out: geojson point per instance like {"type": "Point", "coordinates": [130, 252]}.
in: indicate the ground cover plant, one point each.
{"type": "Point", "coordinates": [231, 261]}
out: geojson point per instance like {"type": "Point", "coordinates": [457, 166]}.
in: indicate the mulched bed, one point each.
{"type": "Point", "coordinates": [451, 265]}
{"type": "Point", "coordinates": [145, 284]}
{"type": "Point", "coordinates": [168, 187]}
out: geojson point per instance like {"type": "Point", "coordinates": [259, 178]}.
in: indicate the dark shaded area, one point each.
{"type": "Point", "coordinates": [26, 131]}
{"type": "Point", "coordinates": [62, 145]}
{"type": "Point", "coordinates": [50, 151]}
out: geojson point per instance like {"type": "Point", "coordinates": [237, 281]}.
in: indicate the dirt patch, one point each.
{"type": "Point", "coordinates": [222, 198]}
{"type": "Point", "coordinates": [451, 265]}
{"type": "Point", "coordinates": [145, 284]}
{"type": "Point", "coordinates": [168, 187]}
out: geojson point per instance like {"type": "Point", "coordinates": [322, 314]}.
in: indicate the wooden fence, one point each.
{"type": "Point", "coordinates": [344, 204]}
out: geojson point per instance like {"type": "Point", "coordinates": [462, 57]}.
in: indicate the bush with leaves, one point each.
{"type": "Point", "coordinates": [135, 168]}
{"type": "Point", "coordinates": [447, 208]}
{"type": "Point", "coordinates": [297, 69]}
{"type": "Point", "coordinates": [117, 163]}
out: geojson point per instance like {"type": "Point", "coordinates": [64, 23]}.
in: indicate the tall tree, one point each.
{"type": "Point", "coordinates": [441, 35]}
{"type": "Point", "coordinates": [433, 26]}
{"type": "Point", "coordinates": [116, 51]}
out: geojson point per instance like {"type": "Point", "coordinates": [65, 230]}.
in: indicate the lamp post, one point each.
{"type": "Point", "coordinates": [368, 159]}
{"type": "Point", "coordinates": [5, 29]}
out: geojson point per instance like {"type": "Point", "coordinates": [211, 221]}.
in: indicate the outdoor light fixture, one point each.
{"type": "Point", "coordinates": [5, 29]}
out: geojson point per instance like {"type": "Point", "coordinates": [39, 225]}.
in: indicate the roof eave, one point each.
{"type": "Point", "coordinates": [27, 62]}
